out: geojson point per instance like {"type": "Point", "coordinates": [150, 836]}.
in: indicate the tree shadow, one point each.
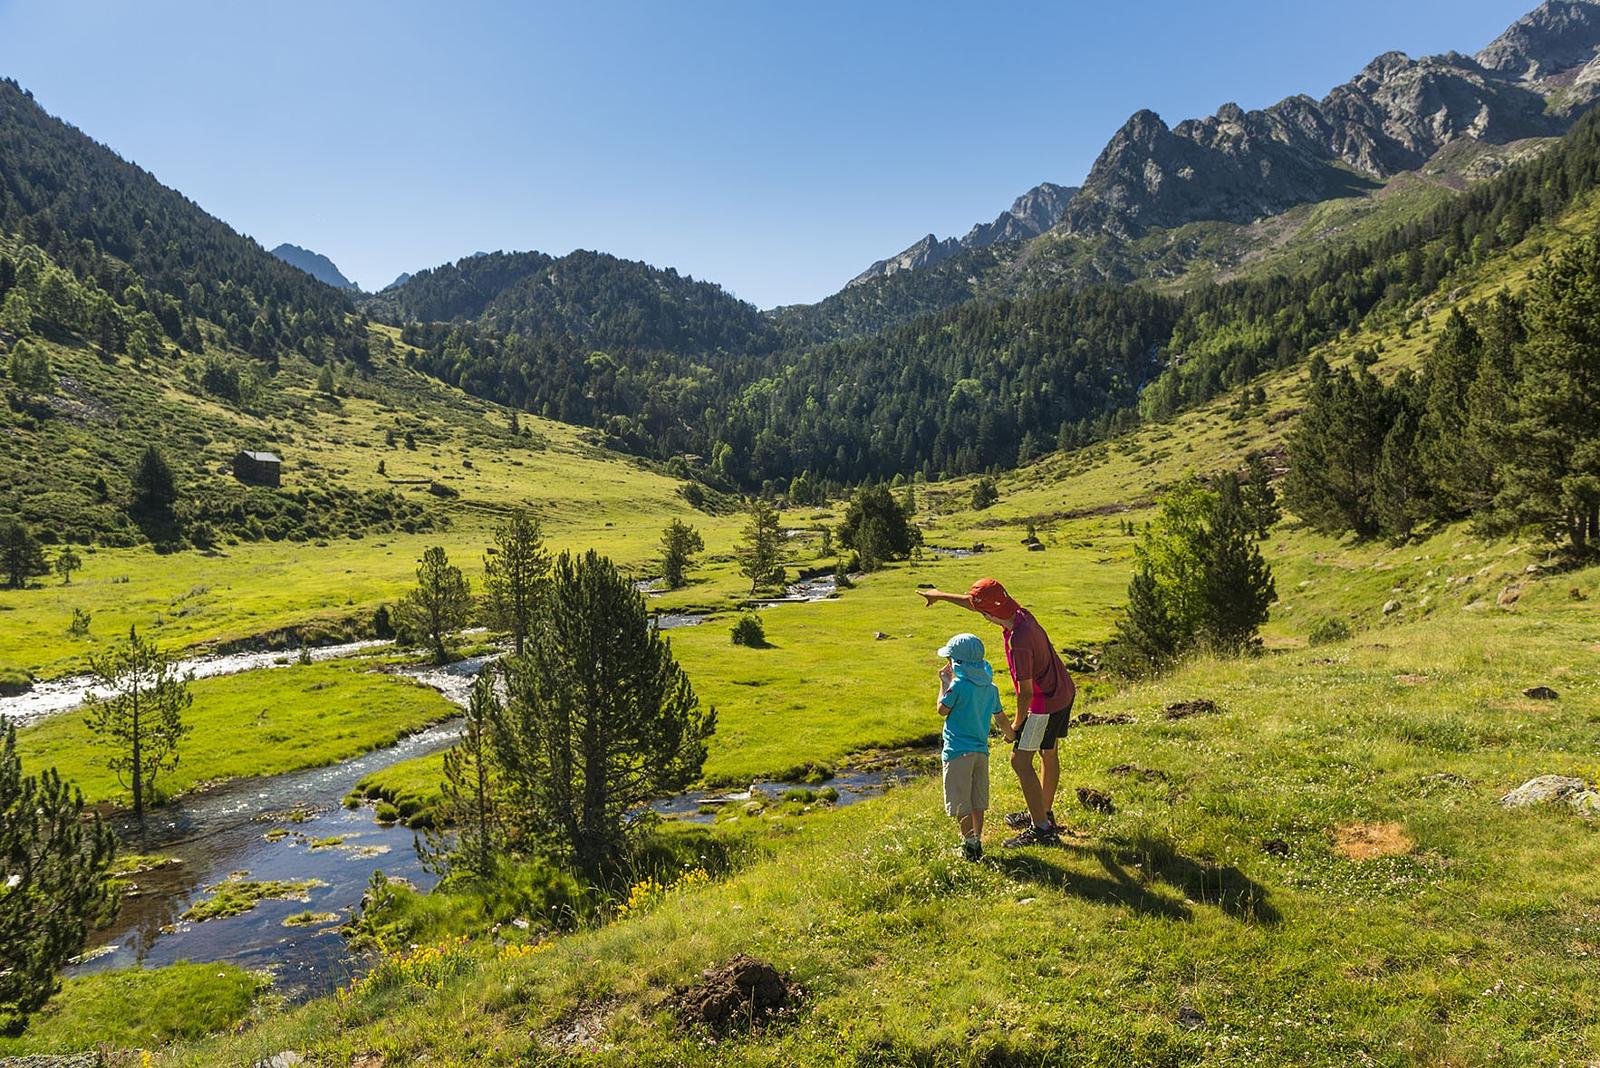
{"type": "Point", "coordinates": [1133, 872]}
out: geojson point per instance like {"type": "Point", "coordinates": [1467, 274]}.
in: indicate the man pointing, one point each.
{"type": "Point", "coordinates": [1044, 704]}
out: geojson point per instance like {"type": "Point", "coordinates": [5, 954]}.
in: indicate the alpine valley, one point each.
{"type": "Point", "coordinates": [524, 663]}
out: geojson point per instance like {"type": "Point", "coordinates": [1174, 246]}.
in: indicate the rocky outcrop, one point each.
{"type": "Point", "coordinates": [1030, 215]}
{"type": "Point", "coordinates": [1239, 166]}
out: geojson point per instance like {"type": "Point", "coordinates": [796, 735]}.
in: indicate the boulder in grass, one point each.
{"type": "Point", "coordinates": [1540, 693]}
{"type": "Point", "coordinates": [1391, 607]}
{"type": "Point", "coordinates": [1547, 789]}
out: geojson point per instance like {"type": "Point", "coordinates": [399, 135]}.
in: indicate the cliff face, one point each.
{"type": "Point", "coordinates": [1030, 215]}
{"type": "Point", "coordinates": [1237, 165]}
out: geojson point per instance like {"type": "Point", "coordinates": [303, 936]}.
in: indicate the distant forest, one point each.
{"type": "Point", "coordinates": [676, 369]}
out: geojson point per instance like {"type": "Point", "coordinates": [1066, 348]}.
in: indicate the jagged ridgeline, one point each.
{"type": "Point", "coordinates": [993, 382]}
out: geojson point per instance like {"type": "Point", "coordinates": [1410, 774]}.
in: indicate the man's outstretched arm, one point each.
{"type": "Point", "coordinates": [931, 596]}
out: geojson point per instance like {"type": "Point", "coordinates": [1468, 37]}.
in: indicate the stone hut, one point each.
{"type": "Point", "coordinates": [261, 468]}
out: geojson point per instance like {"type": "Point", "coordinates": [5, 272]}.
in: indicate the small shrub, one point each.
{"type": "Point", "coordinates": [749, 632]}
{"type": "Point", "coordinates": [79, 627]}
{"type": "Point", "coordinates": [1327, 630]}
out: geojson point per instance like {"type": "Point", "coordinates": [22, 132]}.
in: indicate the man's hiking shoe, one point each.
{"type": "Point", "coordinates": [1021, 821]}
{"type": "Point", "coordinates": [972, 850]}
{"type": "Point", "coordinates": [1034, 836]}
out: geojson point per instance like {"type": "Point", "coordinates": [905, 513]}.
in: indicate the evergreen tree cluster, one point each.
{"type": "Point", "coordinates": [1199, 582]}
{"type": "Point", "coordinates": [1502, 425]}
{"type": "Point", "coordinates": [137, 263]}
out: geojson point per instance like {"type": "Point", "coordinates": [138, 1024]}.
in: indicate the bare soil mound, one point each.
{"type": "Point", "coordinates": [741, 993]}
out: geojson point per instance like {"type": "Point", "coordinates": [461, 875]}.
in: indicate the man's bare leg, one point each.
{"type": "Point", "coordinates": [1049, 777]}
{"type": "Point", "coordinates": [1032, 791]}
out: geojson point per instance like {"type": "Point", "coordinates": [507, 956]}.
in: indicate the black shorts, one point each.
{"type": "Point", "coordinates": [1040, 731]}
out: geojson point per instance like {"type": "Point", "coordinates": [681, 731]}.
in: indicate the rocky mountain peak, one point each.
{"type": "Point", "coordinates": [1238, 166]}
{"type": "Point", "coordinates": [1556, 37]}
{"type": "Point", "coordinates": [315, 264]}
{"type": "Point", "coordinates": [1030, 215]}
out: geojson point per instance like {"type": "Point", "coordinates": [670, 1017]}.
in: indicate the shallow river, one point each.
{"type": "Point", "coordinates": [224, 832]}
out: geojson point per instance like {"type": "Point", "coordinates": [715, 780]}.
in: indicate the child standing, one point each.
{"type": "Point", "coordinates": [969, 703]}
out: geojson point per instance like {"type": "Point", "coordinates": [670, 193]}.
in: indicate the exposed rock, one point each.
{"type": "Point", "coordinates": [1095, 800]}
{"type": "Point", "coordinates": [284, 1059]}
{"type": "Point", "coordinates": [1397, 113]}
{"type": "Point", "coordinates": [1190, 1019]}
{"type": "Point", "coordinates": [1185, 709]}
{"type": "Point", "coordinates": [879, 636]}
{"type": "Point", "coordinates": [1030, 215]}
{"type": "Point", "coordinates": [1035, 547]}
{"type": "Point", "coordinates": [1510, 595]}
{"type": "Point", "coordinates": [1547, 789]}
{"type": "Point", "coordinates": [1540, 693]}
{"type": "Point", "coordinates": [1391, 607]}
{"type": "Point", "coordinates": [741, 993]}
{"type": "Point", "coordinates": [1276, 847]}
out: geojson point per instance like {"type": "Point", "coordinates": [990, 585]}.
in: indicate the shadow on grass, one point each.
{"type": "Point", "coordinates": [1133, 872]}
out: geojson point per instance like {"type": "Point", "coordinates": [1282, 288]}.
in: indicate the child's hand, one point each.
{"type": "Point", "coordinates": [947, 673]}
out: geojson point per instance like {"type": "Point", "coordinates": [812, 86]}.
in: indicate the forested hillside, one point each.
{"type": "Point", "coordinates": [592, 298]}
{"type": "Point", "coordinates": [987, 383]}
{"type": "Point", "coordinates": [146, 257]}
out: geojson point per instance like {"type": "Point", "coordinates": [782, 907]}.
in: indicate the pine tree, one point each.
{"type": "Point", "coordinates": [140, 721]}
{"type": "Point", "coordinates": [1147, 639]}
{"type": "Point", "coordinates": [760, 549]}
{"type": "Point", "coordinates": [877, 528]}
{"type": "Point", "coordinates": [67, 561]}
{"type": "Point", "coordinates": [679, 543]}
{"type": "Point", "coordinates": [470, 832]}
{"type": "Point", "coordinates": [600, 719]}
{"type": "Point", "coordinates": [440, 603]}
{"type": "Point", "coordinates": [1552, 472]}
{"type": "Point", "coordinates": [155, 487]}
{"type": "Point", "coordinates": [53, 859]}
{"type": "Point", "coordinates": [1236, 583]}
{"type": "Point", "coordinates": [21, 555]}
{"type": "Point", "coordinates": [1399, 489]}
{"type": "Point", "coordinates": [515, 572]}
{"type": "Point", "coordinates": [1260, 499]}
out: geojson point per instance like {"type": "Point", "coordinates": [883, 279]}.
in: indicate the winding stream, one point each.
{"type": "Point", "coordinates": [293, 828]}
{"type": "Point", "coordinates": [64, 694]}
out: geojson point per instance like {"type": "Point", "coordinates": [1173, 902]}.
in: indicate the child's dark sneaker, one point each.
{"type": "Point", "coordinates": [972, 850]}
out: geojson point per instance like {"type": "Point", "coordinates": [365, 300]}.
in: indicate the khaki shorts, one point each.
{"type": "Point", "coordinates": [966, 784]}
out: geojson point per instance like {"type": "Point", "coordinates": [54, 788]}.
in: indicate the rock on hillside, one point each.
{"type": "Point", "coordinates": [1239, 166]}
{"type": "Point", "coordinates": [1030, 215]}
{"type": "Point", "coordinates": [316, 265]}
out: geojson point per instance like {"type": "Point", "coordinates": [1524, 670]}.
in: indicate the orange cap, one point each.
{"type": "Point", "coordinates": [991, 598]}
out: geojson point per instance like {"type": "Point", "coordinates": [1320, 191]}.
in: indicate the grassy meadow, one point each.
{"type": "Point", "coordinates": [263, 722]}
{"type": "Point", "coordinates": [1315, 873]}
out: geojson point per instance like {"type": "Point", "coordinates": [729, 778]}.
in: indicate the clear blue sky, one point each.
{"type": "Point", "coordinates": [776, 148]}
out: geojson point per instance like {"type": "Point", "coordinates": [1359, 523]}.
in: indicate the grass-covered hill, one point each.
{"type": "Point", "coordinates": [1315, 872]}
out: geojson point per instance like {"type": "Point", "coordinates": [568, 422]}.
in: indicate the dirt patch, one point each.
{"type": "Point", "coordinates": [1369, 841]}
{"type": "Point", "coordinates": [1089, 719]}
{"type": "Point", "coordinates": [1185, 709]}
{"type": "Point", "coordinates": [744, 992]}
{"type": "Point", "coordinates": [1411, 680]}
{"type": "Point", "coordinates": [1095, 800]}
{"type": "Point", "coordinates": [581, 1030]}
{"type": "Point", "coordinates": [1142, 774]}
